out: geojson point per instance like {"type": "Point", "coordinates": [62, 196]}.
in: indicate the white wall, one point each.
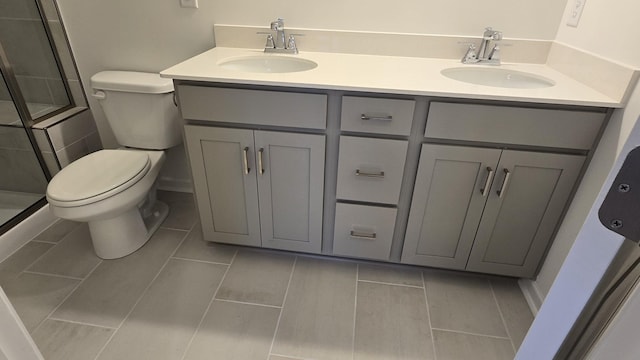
{"type": "Point", "coordinates": [606, 29]}
{"type": "Point", "coordinates": [600, 19]}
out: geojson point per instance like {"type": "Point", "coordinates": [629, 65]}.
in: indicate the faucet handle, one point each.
{"type": "Point", "coordinates": [495, 54]}
{"type": "Point", "coordinates": [471, 56]}
{"type": "Point", "coordinates": [270, 44]}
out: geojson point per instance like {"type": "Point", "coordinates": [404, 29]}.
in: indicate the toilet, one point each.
{"type": "Point", "coordinates": [114, 190]}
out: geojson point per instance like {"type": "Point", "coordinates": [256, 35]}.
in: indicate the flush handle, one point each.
{"type": "Point", "coordinates": [100, 95]}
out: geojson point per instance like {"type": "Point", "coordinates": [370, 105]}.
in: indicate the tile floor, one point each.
{"type": "Point", "coordinates": [182, 298]}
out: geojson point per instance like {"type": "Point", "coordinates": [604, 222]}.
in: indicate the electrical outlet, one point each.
{"type": "Point", "coordinates": [189, 4]}
{"type": "Point", "coordinates": [575, 12]}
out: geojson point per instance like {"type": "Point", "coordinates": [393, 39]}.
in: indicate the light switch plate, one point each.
{"type": "Point", "coordinates": [189, 4]}
{"type": "Point", "coordinates": [575, 12]}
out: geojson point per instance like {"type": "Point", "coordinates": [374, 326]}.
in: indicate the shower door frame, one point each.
{"type": "Point", "coordinates": [25, 117]}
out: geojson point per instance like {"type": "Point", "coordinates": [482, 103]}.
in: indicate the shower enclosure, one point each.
{"type": "Point", "coordinates": [32, 88]}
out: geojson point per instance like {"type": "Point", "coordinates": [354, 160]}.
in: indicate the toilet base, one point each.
{"type": "Point", "coordinates": [122, 235]}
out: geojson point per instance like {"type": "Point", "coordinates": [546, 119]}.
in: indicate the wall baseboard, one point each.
{"type": "Point", "coordinates": [531, 294]}
{"type": "Point", "coordinates": [26, 230]}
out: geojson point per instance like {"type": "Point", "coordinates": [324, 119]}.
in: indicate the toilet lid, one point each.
{"type": "Point", "coordinates": [98, 175]}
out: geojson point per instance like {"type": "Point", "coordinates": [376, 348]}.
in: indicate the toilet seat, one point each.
{"type": "Point", "coordinates": [103, 174]}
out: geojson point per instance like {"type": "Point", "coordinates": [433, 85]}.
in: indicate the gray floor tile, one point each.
{"type": "Point", "coordinates": [460, 302]}
{"type": "Point", "coordinates": [391, 274]}
{"type": "Point", "coordinates": [109, 293]}
{"type": "Point", "coordinates": [73, 256]}
{"type": "Point", "coordinates": [318, 314]}
{"type": "Point", "coordinates": [257, 277]}
{"type": "Point", "coordinates": [182, 210]}
{"type": "Point", "coordinates": [233, 331]}
{"type": "Point", "coordinates": [392, 323]}
{"type": "Point", "coordinates": [34, 296]}
{"type": "Point", "coordinates": [514, 308]}
{"type": "Point", "coordinates": [165, 319]}
{"type": "Point", "coordinates": [194, 247]}
{"type": "Point", "coordinates": [280, 357]}
{"type": "Point", "coordinates": [25, 256]}
{"type": "Point", "coordinates": [457, 346]}
{"type": "Point", "coordinates": [60, 340]}
{"type": "Point", "coordinates": [57, 231]}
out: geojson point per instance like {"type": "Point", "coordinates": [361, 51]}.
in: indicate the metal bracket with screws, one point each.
{"type": "Point", "coordinates": [620, 210]}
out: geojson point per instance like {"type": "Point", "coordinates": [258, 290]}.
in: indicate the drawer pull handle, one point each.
{"type": "Point", "coordinates": [366, 117]}
{"type": "Point", "coordinates": [260, 163]}
{"type": "Point", "coordinates": [485, 190]}
{"type": "Point", "coordinates": [245, 161]}
{"type": "Point", "coordinates": [362, 235]}
{"type": "Point", "coordinates": [505, 183]}
{"type": "Point", "coordinates": [379, 174]}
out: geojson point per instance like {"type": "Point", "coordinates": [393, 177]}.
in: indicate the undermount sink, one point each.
{"type": "Point", "coordinates": [268, 64]}
{"type": "Point", "coordinates": [498, 77]}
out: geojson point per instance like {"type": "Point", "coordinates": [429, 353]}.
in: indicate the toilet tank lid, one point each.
{"type": "Point", "coordinates": [131, 81]}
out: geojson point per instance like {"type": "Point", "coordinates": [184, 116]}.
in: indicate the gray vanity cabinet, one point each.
{"type": "Point", "coordinates": [487, 210]}
{"type": "Point", "coordinates": [448, 199]}
{"type": "Point", "coordinates": [258, 188]}
{"type": "Point", "coordinates": [521, 215]}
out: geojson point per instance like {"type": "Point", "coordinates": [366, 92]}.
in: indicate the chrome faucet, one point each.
{"type": "Point", "coordinates": [278, 44]}
{"type": "Point", "coordinates": [278, 27]}
{"type": "Point", "coordinates": [483, 55]}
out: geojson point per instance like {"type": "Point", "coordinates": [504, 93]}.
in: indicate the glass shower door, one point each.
{"type": "Point", "coordinates": [22, 180]}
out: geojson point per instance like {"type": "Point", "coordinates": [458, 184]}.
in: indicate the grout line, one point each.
{"type": "Point", "coordinates": [248, 303]}
{"type": "Point", "coordinates": [206, 311]}
{"type": "Point", "coordinates": [66, 297]}
{"type": "Point", "coordinates": [176, 229]}
{"type": "Point", "coordinates": [44, 242]}
{"type": "Point", "coordinates": [287, 356]}
{"type": "Point", "coordinates": [53, 275]}
{"type": "Point", "coordinates": [426, 301]}
{"type": "Point", "coordinates": [355, 311]}
{"type": "Point", "coordinates": [474, 334]}
{"type": "Point", "coordinates": [504, 321]}
{"type": "Point", "coordinates": [390, 284]}
{"type": "Point", "coordinates": [200, 261]}
{"type": "Point", "coordinates": [286, 293]}
{"type": "Point", "coordinates": [141, 296]}
{"type": "Point", "coordinates": [82, 323]}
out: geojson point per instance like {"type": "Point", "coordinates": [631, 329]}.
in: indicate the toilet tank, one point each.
{"type": "Point", "coordinates": [139, 108]}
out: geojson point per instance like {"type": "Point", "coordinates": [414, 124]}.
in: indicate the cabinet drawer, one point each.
{"type": "Point", "coordinates": [373, 115]}
{"type": "Point", "coordinates": [253, 106]}
{"type": "Point", "coordinates": [370, 169]}
{"type": "Point", "coordinates": [363, 231]}
{"type": "Point", "coordinates": [513, 125]}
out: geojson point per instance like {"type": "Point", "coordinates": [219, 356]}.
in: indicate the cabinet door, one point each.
{"type": "Point", "coordinates": [448, 200]}
{"type": "Point", "coordinates": [523, 210]}
{"type": "Point", "coordinates": [225, 191]}
{"type": "Point", "coordinates": [291, 188]}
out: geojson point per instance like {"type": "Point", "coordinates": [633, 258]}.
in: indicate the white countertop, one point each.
{"type": "Point", "coordinates": [387, 74]}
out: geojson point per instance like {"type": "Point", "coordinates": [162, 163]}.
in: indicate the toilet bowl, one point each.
{"type": "Point", "coordinates": [114, 190]}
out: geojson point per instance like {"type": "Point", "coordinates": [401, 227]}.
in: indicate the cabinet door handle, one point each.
{"type": "Point", "coordinates": [487, 185]}
{"type": "Point", "coordinates": [260, 163]}
{"type": "Point", "coordinates": [366, 117]}
{"type": "Point", "coordinates": [362, 235]}
{"type": "Point", "coordinates": [379, 174]}
{"type": "Point", "coordinates": [245, 160]}
{"type": "Point", "coordinates": [505, 183]}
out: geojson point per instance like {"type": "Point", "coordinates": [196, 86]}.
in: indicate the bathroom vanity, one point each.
{"type": "Point", "coordinates": [425, 170]}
